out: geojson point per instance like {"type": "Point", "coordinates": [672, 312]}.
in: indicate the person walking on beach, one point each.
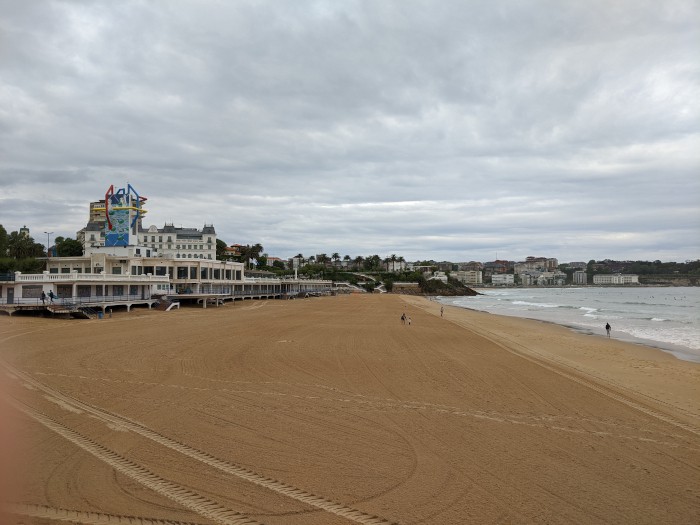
{"type": "Point", "coordinates": [43, 297]}
{"type": "Point", "coordinates": [409, 321]}
{"type": "Point", "coordinates": [442, 309]}
{"type": "Point", "coordinates": [403, 318]}
{"type": "Point", "coordinates": [51, 296]}
{"type": "Point", "coordinates": [607, 328]}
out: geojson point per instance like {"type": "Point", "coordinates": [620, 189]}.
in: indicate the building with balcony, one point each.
{"type": "Point", "coordinates": [615, 279]}
{"type": "Point", "coordinates": [129, 265]}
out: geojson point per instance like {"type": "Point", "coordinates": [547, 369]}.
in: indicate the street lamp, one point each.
{"type": "Point", "coordinates": [48, 243]}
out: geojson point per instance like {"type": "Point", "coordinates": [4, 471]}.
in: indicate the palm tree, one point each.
{"type": "Point", "coordinates": [358, 262]}
{"type": "Point", "coordinates": [255, 251]}
{"type": "Point", "coordinates": [336, 258]}
{"type": "Point", "coordinates": [346, 259]}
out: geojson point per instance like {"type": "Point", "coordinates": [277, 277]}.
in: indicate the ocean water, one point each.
{"type": "Point", "coordinates": [666, 318]}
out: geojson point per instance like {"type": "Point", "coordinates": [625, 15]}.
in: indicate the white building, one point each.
{"type": "Point", "coordinates": [468, 276]}
{"type": "Point", "coordinates": [394, 266]}
{"type": "Point", "coordinates": [128, 266]}
{"type": "Point", "coordinates": [438, 276]}
{"type": "Point", "coordinates": [580, 277]}
{"type": "Point", "coordinates": [503, 279]}
{"type": "Point", "coordinates": [616, 278]}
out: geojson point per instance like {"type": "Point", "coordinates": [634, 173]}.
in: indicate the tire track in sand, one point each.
{"type": "Point", "coordinates": [379, 403]}
{"type": "Point", "coordinates": [184, 496]}
{"type": "Point", "coordinates": [275, 485]}
{"type": "Point", "coordinates": [86, 518]}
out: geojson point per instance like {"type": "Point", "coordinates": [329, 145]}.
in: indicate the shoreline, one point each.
{"type": "Point", "coordinates": [675, 351]}
{"type": "Point", "coordinates": [678, 351]}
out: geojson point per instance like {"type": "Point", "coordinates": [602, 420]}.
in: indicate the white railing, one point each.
{"type": "Point", "coordinates": [95, 277]}
{"type": "Point", "coordinates": [75, 300]}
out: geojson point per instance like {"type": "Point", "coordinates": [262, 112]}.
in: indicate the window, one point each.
{"type": "Point", "coordinates": [78, 270]}
{"type": "Point", "coordinates": [117, 289]}
{"type": "Point", "coordinates": [133, 270]}
{"type": "Point", "coordinates": [193, 272]}
{"type": "Point", "coordinates": [153, 238]}
{"type": "Point", "coordinates": [138, 251]}
{"type": "Point", "coordinates": [182, 272]}
{"type": "Point", "coordinates": [160, 270]}
{"type": "Point", "coordinates": [116, 270]}
{"type": "Point", "coordinates": [65, 270]}
{"type": "Point", "coordinates": [160, 238]}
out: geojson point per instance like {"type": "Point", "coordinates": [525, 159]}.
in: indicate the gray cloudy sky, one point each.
{"type": "Point", "coordinates": [430, 129]}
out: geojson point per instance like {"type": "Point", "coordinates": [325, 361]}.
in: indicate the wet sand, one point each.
{"type": "Point", "coordinates": [330, 411]}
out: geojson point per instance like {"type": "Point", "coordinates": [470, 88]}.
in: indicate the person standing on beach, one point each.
{"type": "Point", "coordinates": [403, 318]}
{"type": "Point", "coordinates": [442, 309]}
{"type": "Point", "coordinates": [409, 321]}
{"type": "Point", "coordinates": [43, 297]}
{"type": "Point", "coordinates": [607, 328]}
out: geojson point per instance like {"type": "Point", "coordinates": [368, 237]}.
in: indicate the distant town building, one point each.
{"type": "Point", "coordinates": [503, 279]}
{"type": "Point", "coordinates": [439, 276]}
{"type": "Point", "coordinates": [578, 265]}
{"type": "Point", "coordinates": [615, 278]}
{"type": "Point", "coordinates": [540, 264]}
{"type": "Point", "coordinates": [468, 276]}
{"type": "Point", "coordinates": [580, 277]}
{"type": "Point", "coordinates": [394, 266]}
{"type": "Point", "coordinates": [470, 266]}
{"type": "Point", "coordinates": [497, 267]}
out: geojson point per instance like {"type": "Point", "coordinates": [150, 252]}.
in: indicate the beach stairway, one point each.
{"type": "Point", "coordinates": [88, 311]}
{"type": "Point", "coordinates": [165, 305]}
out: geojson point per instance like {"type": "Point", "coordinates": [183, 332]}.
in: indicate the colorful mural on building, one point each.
{"type": "Point", "coordinates": [123, 209]}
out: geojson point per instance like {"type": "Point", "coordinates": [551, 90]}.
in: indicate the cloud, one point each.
{"type": "Point", "coordinates": [445, 130]}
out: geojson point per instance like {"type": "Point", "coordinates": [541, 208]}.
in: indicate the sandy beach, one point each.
{"type": "Point", "coordinates": [330, 411]}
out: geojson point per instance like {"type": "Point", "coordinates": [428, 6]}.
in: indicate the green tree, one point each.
{"type": "Point", "coordinates": [67, 247]}
{"type": "Point", "coordinates": [335, 257]}
{"type": "Point", "coordinates": [3, 241]}
{"type": "Point", "coordinates": [22, 246]}
{"type": "Point", "coordinates": [221, 253]}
